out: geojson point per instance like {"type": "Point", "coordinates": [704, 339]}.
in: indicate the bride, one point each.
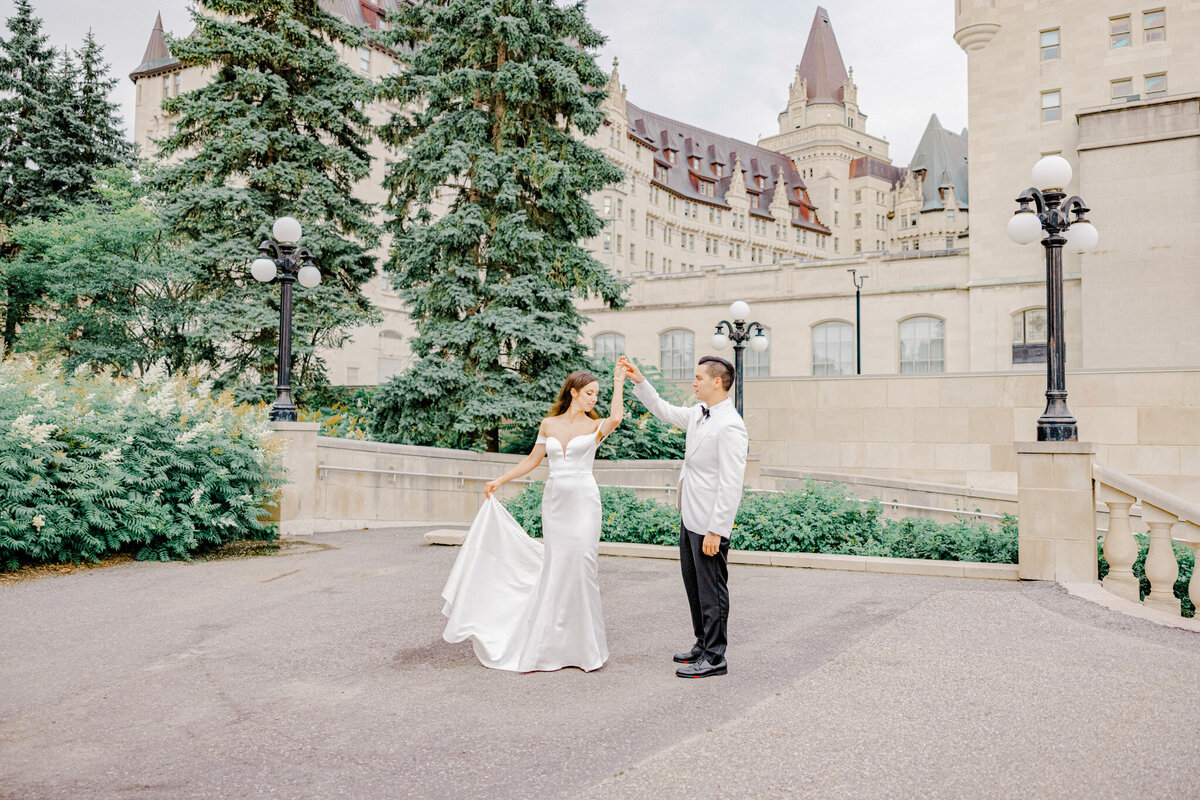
{"type": "Point", "coordinates": [527, 605]}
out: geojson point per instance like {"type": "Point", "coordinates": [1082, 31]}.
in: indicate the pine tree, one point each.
{"type": "Point", "coordinates": [26, 67]}
{"type": "Point", "coordinates": [104, 143]}
{"type": "Point", "coordinates": [280, 129]}
{"type": "Point", "coordinates": [495, 95]}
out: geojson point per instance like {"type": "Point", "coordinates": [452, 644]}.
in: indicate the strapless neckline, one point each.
{"type": "Point", "coordinates": [564, 447]}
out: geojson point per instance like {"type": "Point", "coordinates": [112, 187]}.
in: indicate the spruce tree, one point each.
{"type": "Point", "coordinates": [495, 95]}
{"type": "Point", "coordinates": [26, 87]}
{"type": "Point", "coordinates": [280, 129]}
{"type": "Point", "coordinates": [104, 145]}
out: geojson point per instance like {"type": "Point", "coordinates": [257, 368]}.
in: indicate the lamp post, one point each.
{"type": "Point", "coordinates": [283, 262]}
{"type": "Point", "coordinates": [1051, 216]}
{"type": "Point", "coordinates": [859, 280]}
{"type": "Point", "coordinates": [739, 332]}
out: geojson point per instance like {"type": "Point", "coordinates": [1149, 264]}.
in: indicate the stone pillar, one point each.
{"type": "Point", "coordinates": [1057, 510]}
{"type": "Point", "coordinates": [299, 500]}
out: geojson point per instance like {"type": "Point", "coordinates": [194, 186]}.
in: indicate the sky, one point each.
{"type": "Point", "coordinates": [723, 65]}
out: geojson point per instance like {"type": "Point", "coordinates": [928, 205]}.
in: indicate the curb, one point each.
{"type": "Point", "coordinates": [1096, 593]}
{"type": "Point", "coordinates": [876, 564]}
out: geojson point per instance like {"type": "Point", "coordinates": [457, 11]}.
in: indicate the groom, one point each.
{"type": "Point", "coordinates": [710, 489]}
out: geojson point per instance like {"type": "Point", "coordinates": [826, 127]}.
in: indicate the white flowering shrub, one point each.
{"type": "Point", "coordinates": [91, 465]}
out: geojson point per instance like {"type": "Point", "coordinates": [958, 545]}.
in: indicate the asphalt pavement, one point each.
{"type": "Point", "coordinates": [322, 674]}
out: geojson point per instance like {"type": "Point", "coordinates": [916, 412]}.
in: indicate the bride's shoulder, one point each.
{"type": "Point", "coordinates": [546, 423]}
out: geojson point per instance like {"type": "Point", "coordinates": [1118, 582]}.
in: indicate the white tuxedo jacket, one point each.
{"type": "Point", "coordinates": [714, 461]}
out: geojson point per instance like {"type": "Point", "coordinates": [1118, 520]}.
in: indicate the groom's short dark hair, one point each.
{"type": "Point", "coordinates": [719, 368]}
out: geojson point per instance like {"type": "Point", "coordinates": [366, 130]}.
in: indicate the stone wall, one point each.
{"type": "Point", "coordinates": [960, 429]}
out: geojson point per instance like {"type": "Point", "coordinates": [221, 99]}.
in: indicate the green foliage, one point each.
{"type": "Point", "coordinates": [280, 129]}
{"type": "Point", "coordinates": [91, 466]}
{"type": "Point", "coordinates": [820, 519]}
{"type": "Point", "coordinates": [1185, 556]}
{"type": "Point", "coordinates": [493, 96]}
{"type": "Point", "coordinates": [343, 411]}
{"type": "Point", "coordinates": [113, 290]}
{"type": "Point", "coordinates": [58, 132]}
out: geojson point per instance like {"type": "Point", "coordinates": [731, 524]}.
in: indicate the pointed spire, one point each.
{"type": "Point", "coordinates": [157, 55]}
{"type": "Point", "coordinates": [822, 66]}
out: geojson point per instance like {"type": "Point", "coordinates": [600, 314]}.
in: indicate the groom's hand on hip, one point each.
{"type": "Point", "coordinates": [712, 544]}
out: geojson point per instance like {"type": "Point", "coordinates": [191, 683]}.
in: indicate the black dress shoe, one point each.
{"type": "Point", "coordinates": [703, 669]}
{"type": "Point", "coordinates": [690, 656]}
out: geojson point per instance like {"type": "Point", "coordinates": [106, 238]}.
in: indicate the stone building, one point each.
{"type": "Point", "coordinates": [703, 219]}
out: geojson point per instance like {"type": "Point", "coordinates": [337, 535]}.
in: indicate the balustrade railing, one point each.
{"type": "Point", "coordinates": [1168, 517]}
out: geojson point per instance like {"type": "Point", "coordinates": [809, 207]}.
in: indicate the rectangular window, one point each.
{"type": "Point", "coordinates": [1051, 106]}
{"type": "Point", "coordinates": [166, 86]}
{"type": "Point", "coordinates": [1154, 25]}
{"type": "Point", "coordinates": [949, 243]}
{"type": "Point", "coordinates": [949, 215]}
{"type": "Point", "coordinates": [607, 242]}
{"type": "Point", "coordinates": [858, 195]}
{"type": "Point", "coordinates": [706, 189]}
{"type": "Point", "coordinates": [632, 252]}
{"type": "Point", "coordinates": [175, 84]}
{"type": "Point", "coordinates": [620, 207]}
{"type": "Point", "coordinates": [1156, 85]}
{"type": "Point", "coordinates": [364, 59]}
{"type": "Point", "coordinates": [139, 93]}
{"type": "Point", "coordinates": [1121, 89]}
{"type": "Point", "coordinates": [395, 68]}
{"type": "Point", "coordinates": [632, 217]}
{"type": "Point", "coordinates": [660, 172]}
{"type": "Point", "coordinates": [608, 207]}
{"type": "Point", "coordinates": [1118, 32]}
{"type": "Point", "coordinates": [1050, 44]}
{"type": "Point", "coordinates": [858, 220]}
{"type": "Point", "coordinates": [858, 245]}
{"type": "Point", "coordinates": [620, 249]}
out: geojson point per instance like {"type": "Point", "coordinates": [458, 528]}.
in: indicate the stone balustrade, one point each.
{"type": "Point", "coordinates": [1167, 517]}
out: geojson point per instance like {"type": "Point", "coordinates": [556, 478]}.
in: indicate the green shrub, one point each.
{"type": "Point", "coordinates": [91, 466]}
{"type": "Point", "coordinates": [1184, 556]}
{"type": "Point", "coordinates": [820, 519]}
{"type": "Point", "coordinates": [343, 411]}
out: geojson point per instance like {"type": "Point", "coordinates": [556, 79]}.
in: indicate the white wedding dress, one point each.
{"type": "Point", "coordinates": [529, 605]}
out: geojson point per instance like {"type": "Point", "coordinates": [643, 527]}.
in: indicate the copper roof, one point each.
{"type": "Point", "coordinates": [822, 66]}
{"type": "Point", "coordinates": [157, 58]}
{"type": "Point", "coordinates": [942, 155]}
{"type": "Point", "coordinates": [869, 166]}
{"type": "Point", "coordinates": [662, 134]}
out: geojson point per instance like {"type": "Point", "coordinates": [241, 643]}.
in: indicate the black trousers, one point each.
{"type": "Point", "coordinates": [706, 579]}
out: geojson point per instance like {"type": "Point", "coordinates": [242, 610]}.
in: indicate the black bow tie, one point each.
{"type": "Point", "coordinates": [704, 412]}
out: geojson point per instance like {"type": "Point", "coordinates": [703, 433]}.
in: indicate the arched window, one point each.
{"type": "Point", "coordinates": [1029, 336]}
{"type": "Point", "coordinates": [609, 346]}
{"type": "Point", "coordinates": [391, 359]}
{"type": "Point", "coordinates": [833, 348]}
{"type": "Point", "coordinates": [922, 345]}
{"type": "Point", "coordinates": [757, 365]}
{"type": "Point", "coordinates": [676, 353]}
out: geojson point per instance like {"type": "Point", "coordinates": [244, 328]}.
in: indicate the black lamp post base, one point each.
{"type": "Point", "coordinates": [282, 413]}
{"type": "Point", "coordinates": [1057, 430]}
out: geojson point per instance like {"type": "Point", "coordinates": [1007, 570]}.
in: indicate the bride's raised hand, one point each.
{"type": "Point", "coordinates": [620, 371]}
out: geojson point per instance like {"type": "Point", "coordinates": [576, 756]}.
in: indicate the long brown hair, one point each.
{"type": "Point", "coordinates": [576, 380]}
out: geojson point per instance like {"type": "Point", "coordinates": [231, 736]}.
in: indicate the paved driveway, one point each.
{"type": "Point", "coordinates": [322, 674]}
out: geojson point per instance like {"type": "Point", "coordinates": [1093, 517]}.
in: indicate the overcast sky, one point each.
{"type": "Point", "coordinates": [724, 65]}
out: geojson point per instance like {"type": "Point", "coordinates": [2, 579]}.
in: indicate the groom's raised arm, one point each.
{"type": "Point", "coordinates": [675, 415]}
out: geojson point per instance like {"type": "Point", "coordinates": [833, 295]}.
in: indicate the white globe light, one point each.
{"type": "Point", "coordinates": [309, 277]}
{"type": "Point", "coordinates": [1052, 172]}
{"type": "Point", "coordinates": [263, 270]}
{"type": "Point", "coordinates": [1024, 227]}
{"type": "Point", "coordinates": [720, 341]}
{"type": "Point", "coordinates": [286, 230]}
{"type": "Point", "coordinates": [1082, 237]}
{"type": "Point", "coordinates": [738, 309]}
{"type": "Point", "coordinates": [759, 343]}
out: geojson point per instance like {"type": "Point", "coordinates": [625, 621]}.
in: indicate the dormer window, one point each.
{"type": "Point", "coordinates": [719, 170]}
{"type": "Point", "coordinates": [671, 156]}
{"type": "Point", "coordinates": [695, 163]}
{"type": "Point", "coordinates": [759, 181]}
{"type": "Point", "coordinates": [706, 188]}
{"type": "Point", "coordinates": [660, 172]}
